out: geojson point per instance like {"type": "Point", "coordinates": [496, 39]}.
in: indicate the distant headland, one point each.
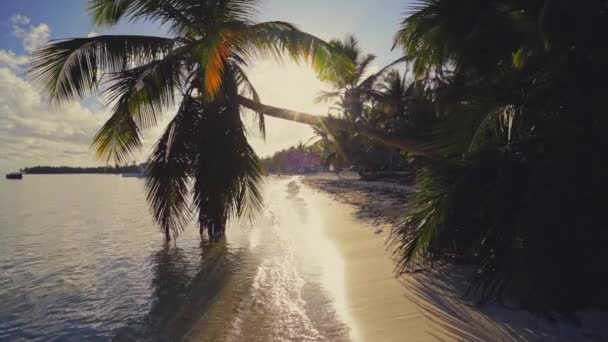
{"type": "Point", "coordinates": [44, 170]}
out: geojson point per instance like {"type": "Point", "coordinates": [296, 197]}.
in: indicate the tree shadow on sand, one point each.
{"type": "Point", "coordinates": [440, 295]}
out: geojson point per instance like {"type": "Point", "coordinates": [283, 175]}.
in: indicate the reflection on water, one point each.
{"type": "Point", "coordinates": [80, 259]}
{"type": "Point", "coordinates": [178, 294]}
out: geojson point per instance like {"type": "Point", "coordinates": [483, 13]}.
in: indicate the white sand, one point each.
{"type": "Point", "coordinates": [376, 298]}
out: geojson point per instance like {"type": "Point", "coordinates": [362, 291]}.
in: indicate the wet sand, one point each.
{"type": "Point", "coordinates": [376, 300]}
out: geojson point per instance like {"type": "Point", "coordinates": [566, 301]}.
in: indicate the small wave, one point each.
{"type": "Point", "coordinates": [275, 305]}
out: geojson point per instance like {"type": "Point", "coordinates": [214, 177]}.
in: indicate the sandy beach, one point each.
{"type": "Point", "coordinates": [424, 307]}
{"type": "Point", "coordinates": [376, 299]}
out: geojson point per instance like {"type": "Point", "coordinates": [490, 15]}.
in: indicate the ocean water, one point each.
{"type": "Point", "coordinates": [81, 259]}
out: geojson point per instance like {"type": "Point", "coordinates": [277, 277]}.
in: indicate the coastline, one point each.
{"type": "Point", "coordinates": [314, 266]}
{"type": "Point", "coordinates": [427, 306]}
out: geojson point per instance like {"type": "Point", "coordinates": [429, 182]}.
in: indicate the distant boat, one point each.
{"type": "Point", "coordinates": [14, 175]}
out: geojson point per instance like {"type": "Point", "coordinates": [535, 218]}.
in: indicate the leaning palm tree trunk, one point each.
{"type": "Point", "coordinates": [330, 123]}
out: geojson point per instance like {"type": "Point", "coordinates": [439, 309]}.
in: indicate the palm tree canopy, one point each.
{"type": "Point", "coordinates": [354, 96]}
{"type": "Point", "coordinates": [349, 47]}
{"type": "Point", "coordinates": [353, 89]}
{"type": "Point", "coordinates": [142, 75]}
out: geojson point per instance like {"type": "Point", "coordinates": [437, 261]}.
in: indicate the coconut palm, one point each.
{"type": "Point", "coordinates": [352, 95]}
{"type": "Point", "coordinates": [200, 68]}
{"type": "Point", "coordinates": [353, 89]}
{"type": "Point", "coordinates": [403, 105]}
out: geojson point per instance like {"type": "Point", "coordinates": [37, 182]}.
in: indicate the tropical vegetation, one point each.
{"type": "Point", "coordinates": [295, 159]}
{"type": "Point", "coordinates": [516, 186]}
{"type": "Point", "coordinates": [363, 97]}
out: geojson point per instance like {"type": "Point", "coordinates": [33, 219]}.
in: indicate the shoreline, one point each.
{"type": "Point", "coordinates": [376, 306]}
{"type": "Point", "coordinates": [426, 306]}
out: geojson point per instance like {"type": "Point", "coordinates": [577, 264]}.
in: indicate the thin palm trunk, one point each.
{"type": "Point", "coordinates": [331, 123]}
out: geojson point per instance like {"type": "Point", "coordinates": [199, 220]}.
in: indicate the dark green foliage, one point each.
{"type": "Point", "coordinates": [517, 182]}
{"type": "Point", "coordinates": [530, 219]}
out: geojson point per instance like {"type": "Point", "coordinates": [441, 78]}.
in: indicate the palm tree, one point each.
{"type": "Point", "coordinates": [200, 68]}
{"type": "Point", "coordinates": [352, 95]}
{"type": "Point", "coordinates": [404, 105]}
{"type": "Point", "coordinates": [353, 90]}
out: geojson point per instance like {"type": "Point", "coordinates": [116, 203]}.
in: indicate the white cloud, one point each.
{"type": "Point", "coordinates": [93, 34]}
{"type": "Point", "coordinates": [11, 60]}
{"type": "Point", "coordinates": [32, 36]}
{"type": "Point", "coordinates": [20, 20]}
{"type": "Point", "coordinates": [36, 37]}
{"type": "Point", "coordinates": [33, 132]}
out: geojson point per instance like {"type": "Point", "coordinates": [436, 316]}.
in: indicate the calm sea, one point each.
{"type": "Point", "coordinates": [81, 259]}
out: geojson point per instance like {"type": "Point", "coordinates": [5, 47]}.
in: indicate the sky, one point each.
{"type": "Point", "coordinates": [32, 132]}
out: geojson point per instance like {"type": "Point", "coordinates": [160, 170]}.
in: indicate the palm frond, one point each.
{"type": "Point", "coordinates": [183, 17]}
{"type": "Point", "coordinates": [118, 138]}
{"type": "Point", "coordinates": [216, 50]}
{"type": "Point", "coordinates": [348, 47]}
{"type": "Point", "coordinates": [167, 183]}
{"type": "Point", "coordinates": [248, 90]}
{"type": "Point", "coordinates": [72, 68]}
{"type": "Point", "coordinates": [175, 13]}
{"type": "Point", "coordinates": [416, 237]}
{"type": "Point", "coordinates": [459, 133]}
{"type": "Point", "coordinates": [369, 82]}
{"type": "Point", "coordinates": [140, 95]}
{"type": "Point", "coordinates": [278, 39]}
{"type": "Point", "coordinates": [327, 96]}
{"type": "Point", "coordinates": [362, 66]}
{"type": "Point", "coordinates": [214, 53]}
{"type": "Point", "coordinates": [145, 91]}
{"type": "Point", "coordinates": [420, 37]}
{"type": "Point", "coordinates": [109, 12]}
